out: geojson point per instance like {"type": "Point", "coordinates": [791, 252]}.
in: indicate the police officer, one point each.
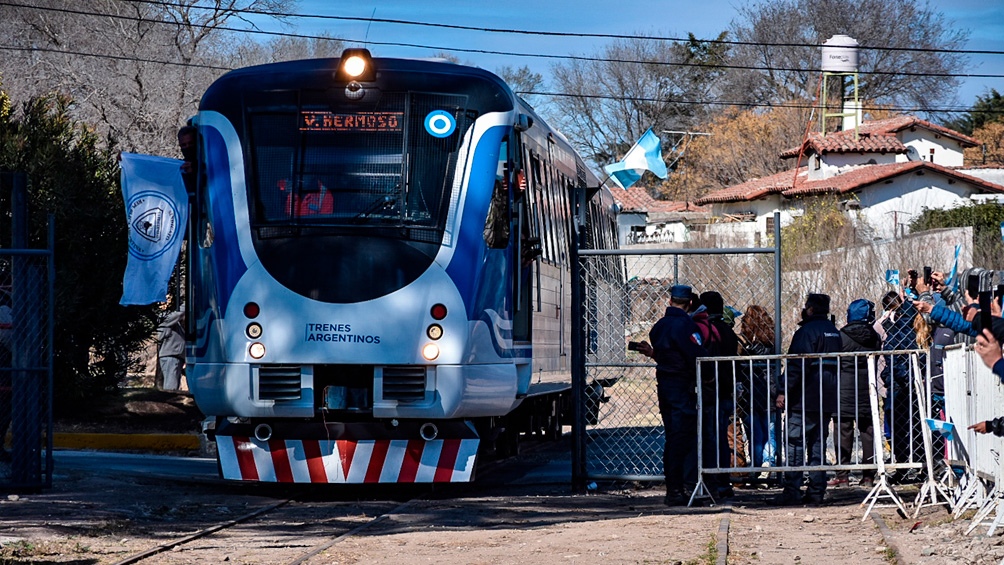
{"type": "Point", "coordinates": [811, 387]}
{"type": "Point", "coordinates": [676, 345]}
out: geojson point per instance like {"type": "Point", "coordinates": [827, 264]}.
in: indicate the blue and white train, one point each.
{"type": "Point", "coordinates": [379, 270]}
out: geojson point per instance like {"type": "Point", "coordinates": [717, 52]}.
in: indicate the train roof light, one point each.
{"type": "Point", "coordinates": [356, 65]}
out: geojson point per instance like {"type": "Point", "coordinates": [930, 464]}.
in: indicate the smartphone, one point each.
{"type": "Point", "coordinates": [927, 276]}
{"type": "Point", "coordinates": [973, 285]}
{"type": "Point", "coordinates": [986, 322]}
{"type": "Point", "coordinates": [633, 345]}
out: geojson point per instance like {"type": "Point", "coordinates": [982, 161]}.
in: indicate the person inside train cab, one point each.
{"type": "Point", "coordinates": [188, 144]}
{"type": "Point", "coordinates": [314, 199]}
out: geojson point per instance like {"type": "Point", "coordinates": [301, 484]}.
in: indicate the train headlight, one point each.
{"type": "Point", "coordinates": [356, 65]}
{"type": "Point", "coordinates": [435, 331]}
{"type": "Point", "coordinates": [430, 351]}
{"type": "Point", "coordinates": [257, 350]}
{"type": "Point", "coordinates": [254, 330]}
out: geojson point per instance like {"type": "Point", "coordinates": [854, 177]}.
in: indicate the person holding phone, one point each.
{"type": "Point", "coordinates": [676, 344]}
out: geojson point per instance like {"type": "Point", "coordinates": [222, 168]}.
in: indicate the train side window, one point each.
{"type": "Point", "coordinates": [496, 232]}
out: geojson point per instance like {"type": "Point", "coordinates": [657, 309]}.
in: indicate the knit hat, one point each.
{"type": "Point", "coordinates": [861, 310]}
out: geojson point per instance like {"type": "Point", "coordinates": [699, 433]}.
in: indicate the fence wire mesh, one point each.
{"type": "Point", "coordinates": [626, 293]}
{"type": "Point", "coordinates": [25, 369]}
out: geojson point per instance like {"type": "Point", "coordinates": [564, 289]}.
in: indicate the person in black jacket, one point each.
{"type": "Point", "coordinates": [858, 335]}
{"type": "Point", "coordinates": [810, 394]}
{"type": "Point", "coordinates": [718, 398]}
{"type": "Point", "coordinates": [676, 345]}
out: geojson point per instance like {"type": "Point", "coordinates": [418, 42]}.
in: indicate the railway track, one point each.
{"type": "Point", "coordinates": [297, 528]}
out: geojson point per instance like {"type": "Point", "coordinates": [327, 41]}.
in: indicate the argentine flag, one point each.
{"type": "Point", "coordinates": [645, 155]}
{"type": "Point", "coordinates": [157, 214]}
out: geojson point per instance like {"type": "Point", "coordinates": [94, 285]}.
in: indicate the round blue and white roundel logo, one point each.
{"type": "Point", "coordinates": [154, 222]}
{"type": "Point", "coordinates": [440, 124]}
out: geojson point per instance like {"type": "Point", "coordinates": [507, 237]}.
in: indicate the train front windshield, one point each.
{"type": "Point", "coordinates": [329, 166]}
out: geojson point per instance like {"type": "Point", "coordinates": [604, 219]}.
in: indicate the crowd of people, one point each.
{"type": "Point", "coordinates": [742, 403]}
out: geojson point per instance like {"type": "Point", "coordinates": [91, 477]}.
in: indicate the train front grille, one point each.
{"type": "Point", "coordinates": [404, 383]}
{"type": "Point", "coordinates": [279, 383]}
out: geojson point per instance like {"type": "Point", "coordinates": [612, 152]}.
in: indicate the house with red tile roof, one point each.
{"type": "Point", "coordinates": [645, 220]}
{"type": "Point", "coordinates": [884, 173]}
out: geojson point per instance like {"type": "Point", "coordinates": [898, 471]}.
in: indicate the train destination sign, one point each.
{"type": "Point", "coordinates": [361, 121]}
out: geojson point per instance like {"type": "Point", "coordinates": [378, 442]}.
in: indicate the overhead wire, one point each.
{"type": "Point", "coordinates": [504, 53]}
{"type": "Point", "coordinates": [554, 33]}
{"type": "Point", "coordinates": [514, 53]}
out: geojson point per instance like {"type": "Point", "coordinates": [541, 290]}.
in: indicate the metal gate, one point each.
{"type": "Point", "coordinates": [619, 433]}
{"type": "Point", "coordinates": [26, 327]}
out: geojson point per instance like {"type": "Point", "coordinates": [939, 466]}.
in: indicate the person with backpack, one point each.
{"type": "Point", "coordinates": [720, 447]}
{"type": "Point", "coordinates": [857, 336]}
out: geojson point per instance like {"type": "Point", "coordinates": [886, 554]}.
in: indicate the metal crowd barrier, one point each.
{"type": "Point", "coordinates": [737, 407]}
{"type": "Point", "coordinates": [973, 394]}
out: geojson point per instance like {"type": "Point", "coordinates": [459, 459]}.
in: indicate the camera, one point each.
{"type": "Point", "coordinates": [633, 345]}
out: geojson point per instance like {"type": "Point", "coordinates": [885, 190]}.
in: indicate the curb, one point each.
{"type": "Point", "coordinates": [145, 442]}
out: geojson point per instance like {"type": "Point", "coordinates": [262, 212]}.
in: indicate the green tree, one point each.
{"type": "Point", "coordinates": [986, 221]}
{"type": "Point", "coordinates": [988, 108]}
{"type": "Point", "coordinates": [74, 177]}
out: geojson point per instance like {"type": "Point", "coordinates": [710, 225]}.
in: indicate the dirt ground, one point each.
{"type": "Point", "coordinates": [88, 518]}
{"type": "Point", "coordinates": [95, 518]}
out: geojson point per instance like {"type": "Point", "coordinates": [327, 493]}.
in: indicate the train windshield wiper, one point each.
{"type": "Point", "coordinates": [380, 203]}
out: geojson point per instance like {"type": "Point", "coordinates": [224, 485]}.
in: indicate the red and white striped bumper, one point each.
{"type": "Point", "coordinates": [347, 461]}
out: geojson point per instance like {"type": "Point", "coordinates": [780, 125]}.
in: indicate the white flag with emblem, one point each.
{"type": "Point", "coordinates": [156, 213]}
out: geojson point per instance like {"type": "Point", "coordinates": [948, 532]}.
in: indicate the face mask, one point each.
{"type": "Point", "coordinates": [805, 313]}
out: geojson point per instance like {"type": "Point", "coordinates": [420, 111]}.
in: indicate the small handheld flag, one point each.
{"type": "Point", "coordinates": [892, 277]}
{"type": "Point", "coordinates": [645, 155]}
{"type": "Point", "coordinates": [950, 283]}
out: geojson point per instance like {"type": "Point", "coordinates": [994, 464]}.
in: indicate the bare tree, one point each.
{"type": "Point", "coordinates": [135, 70]}
{"type": "Point", "coordinates": [630, 86]}
{"type": "Point", "coordinates": [285, 48]}
{"type": "Point", "coordinates": [525, 82]}
{"type": "Point", "coordinates": [783, 40]}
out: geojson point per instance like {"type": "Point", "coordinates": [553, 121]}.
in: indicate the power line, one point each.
{"type": "Point", "coordinates": [550, 94]}
{"type": "Point", "coordinates": [114, 57]}
{"type": "Point", "coordinates": [556, 33]}
{"type": "Point", "coordinates": [494, 52]}
{"type": "Point", "coordinates": [794, 105]}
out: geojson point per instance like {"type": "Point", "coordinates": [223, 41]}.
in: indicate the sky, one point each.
{"type": "Point", "coordinates": [673, 18]}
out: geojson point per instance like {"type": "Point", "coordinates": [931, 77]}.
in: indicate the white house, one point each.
{"type": "Point", "coordinates": [644, 220]}
{"type": "Point", "coordinates": [888, 172]}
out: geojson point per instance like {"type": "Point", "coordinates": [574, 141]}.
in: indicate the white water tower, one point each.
{"type": "Point", "coordinates": [840, 60]}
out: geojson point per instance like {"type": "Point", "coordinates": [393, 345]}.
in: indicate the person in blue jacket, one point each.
{"type": "Point", "coordinates": [810, 394]}
{"type": "Point", "coordinates": [676, 345]}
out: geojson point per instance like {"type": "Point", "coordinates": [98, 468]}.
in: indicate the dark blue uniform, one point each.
{"type": "Point", "coordinates": [811, 398]}
{"type": "Point", "coordinates": [677, 345]}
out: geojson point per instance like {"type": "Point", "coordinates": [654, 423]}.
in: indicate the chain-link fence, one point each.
{"type": "Point", "coordinates": [26, 325]}
{"type": "Point", "coordinates": [627, 291]}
